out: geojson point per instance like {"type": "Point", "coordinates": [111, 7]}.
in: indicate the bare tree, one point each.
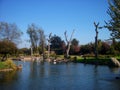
{"type": "Point", "coordinates": [49, 40]}
{"type": "Point", "coordinates": [10, 32]}
{"type": "Point", "coordinates": [68, 42]}
{"type": "Point", "coordinates": [96, 38]}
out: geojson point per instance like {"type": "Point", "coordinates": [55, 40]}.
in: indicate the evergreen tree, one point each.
{"type": "Point", "coordinates": [114, 23]}
{"type": "Point", "coordinates": [57, 44]}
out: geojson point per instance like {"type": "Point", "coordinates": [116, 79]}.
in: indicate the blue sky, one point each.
{"type": "Point", "coordinates": [56, 16]}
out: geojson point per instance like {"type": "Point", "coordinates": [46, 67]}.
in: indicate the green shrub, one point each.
{"type": "Point", "coordinates": [8, 64]}
{"type": "Point", "coordinates": [2, 65]}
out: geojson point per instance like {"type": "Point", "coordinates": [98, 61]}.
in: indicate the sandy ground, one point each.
{"type": "Point", "coordinates": [31, 58]}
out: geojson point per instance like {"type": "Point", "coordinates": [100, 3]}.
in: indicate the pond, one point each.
{"type": "Point", "coordinates": [71, 76]}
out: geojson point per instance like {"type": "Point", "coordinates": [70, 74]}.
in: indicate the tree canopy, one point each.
{"type": "Point", "coordinates": [114, 23]}
{"type": "Point", "coordinates": [10, 32]}
{"type": "Point", "coordinates": [57, 44]}
{"type": "Point", "coordinates": [9, 38]}
{"type": "Point", "coordinates": [75, 48]}
{"type": "Point", "coordinates": [37, 38]}
{"type": "Point", "coordinates": [7, 47]}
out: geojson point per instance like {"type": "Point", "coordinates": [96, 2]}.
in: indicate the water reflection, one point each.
{"type": "Point", "coordinates": [44, 76]}
{"type": "Point", "coordinates": [7, 77]}
{"type": "Point", "coordinates": [115, 70]}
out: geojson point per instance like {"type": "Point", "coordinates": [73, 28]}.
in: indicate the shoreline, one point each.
{"type": "Point", "coordinates": [106, 61]}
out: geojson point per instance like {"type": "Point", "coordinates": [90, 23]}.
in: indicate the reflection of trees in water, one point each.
{"type": "Point", "coordinates": [8, 77]}
{"type": "Point", "coordinates": [42, 69]}
{"type": "Point", "coordinates": [37, 69]}
{"type": "Point", "coordinates": [95, 70]}
{"type": "Point", "coordinates": [96, 77]}
{"type": "Point", "coordinates": [33, 69]}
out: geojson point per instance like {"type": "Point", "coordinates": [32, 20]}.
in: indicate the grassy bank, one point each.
{"type": "Point", "coordinates": [94, 61]}
{"type": "Point", "coordinates": [102, 59]}
{"type": "Point", "coordinates": [8, 64]}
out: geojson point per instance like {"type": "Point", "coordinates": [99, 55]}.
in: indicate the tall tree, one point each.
{"type": "Point", "coordinates": [74, 47]}
{"type": "Point", "coordinates": [7, 47]}
{"type": "Point", "coordinates": [105, 47]}
{"type": "Point", "coordinates": [42, 41]}
{"type": "Point", "coordinates": [9, 32]}
{"type": "Point", "coordinates": [57, 44]}
{"type": "Point", "coordinates": [32, 32]}
{"type": "Point", "coordinates": [37, 39]}
{"type": "Point", "coordinates": [49, 41]}
{"type": "Point", "coordinates": [75, 42]}
{"type": "Point", "coordinates": [87, 49]}
{"type": "Point", "coordinates": [114, 23]}
{"type": "Point", "coordinates": [68, 42]}
{"type": "Point", "coordinates": [96, 40]}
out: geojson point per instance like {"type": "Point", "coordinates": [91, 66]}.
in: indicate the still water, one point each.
{"type": "Point", "coordinates": [71, 76]}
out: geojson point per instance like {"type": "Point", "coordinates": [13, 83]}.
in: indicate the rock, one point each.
{"type": "Point", "coordinates": [114, 62]}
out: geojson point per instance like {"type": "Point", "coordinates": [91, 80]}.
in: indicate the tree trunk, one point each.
{"type": "Point", "coordinates": [48, 50]}
{"type": "Point", "coordinates": [67, 51]}
{"type": "Point", "coordinates": [43, 51]}
{"type": "Point", "coordinates": [4, 57]}
{"type": "Point", "coordinates": [49, 40]}
{"type": "Point", "coordinates": [96, 46]}
{"type": "Point", "coordinates": [68, 43]}
{"type": "Point", "coordinates": [96, 40]}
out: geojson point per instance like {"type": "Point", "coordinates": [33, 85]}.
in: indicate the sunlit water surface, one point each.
{"type": "Point", "coordinates": [71, 76]}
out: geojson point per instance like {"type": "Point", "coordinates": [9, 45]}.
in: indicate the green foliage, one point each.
{"type": "Point", "coordinates": [24, 51]}
{"type": "Point", "coordinates": [32, 32]}
{"type": "Point", "coordinates": [114, 24]}
{"type": "Point", "coordinates": [7, 47]}
{"type": "Point", "coordinates": [9, 32]}
{"type": "Point", "coordinates": [118, 57]}
{"type": "Point", "coordinates": [103, 48]}
{"type": "Point", "coordinates": [2, 65]}
{"type": "Point", "coordinates": [75, 42]}
{"type": "Point", "coordinates": [114, 49]}
{"type": "Point", "coordinates": [87, 49]}
{"type": "Point", "coordinates": [37, 38]}
{"type": "Point", "coordinates": [10, 64]}
{"type": "Point", "coordinates": [92, 60]}
{"type": "Point", "coordinates": [7, 65]}
{"type": "Point", "coordinates": [74, 48]}
{"type": "Point", "coordinates": [117, 46]}
{"type": "Point", "coordinates": [9, 37]}
{"type": "Point", "coordinates": [52, 55]}
{"type": "Point", "coordinates": [57, 44]}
